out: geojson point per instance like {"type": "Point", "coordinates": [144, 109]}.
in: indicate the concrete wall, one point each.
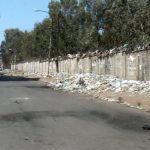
{"type": "Point", "coordinates": [133, 66]}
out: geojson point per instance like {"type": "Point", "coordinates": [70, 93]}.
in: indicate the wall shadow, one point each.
{"type": "Point", "coordinates": [16, 78]}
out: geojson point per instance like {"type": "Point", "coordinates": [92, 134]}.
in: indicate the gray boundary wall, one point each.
{"type": "Point", "coordinates": [132, 66]}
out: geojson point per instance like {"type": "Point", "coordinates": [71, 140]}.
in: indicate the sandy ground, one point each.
{"type": "Point", "coordinates": [137, 101]}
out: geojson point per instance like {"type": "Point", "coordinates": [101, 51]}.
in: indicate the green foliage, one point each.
{"type": "Point", "coordinates": [41, 36]}
{"type": "Point", "coordinates": [81, 26]}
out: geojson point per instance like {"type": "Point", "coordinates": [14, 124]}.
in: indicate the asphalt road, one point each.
{"type": "Point", "coordinates": [34, 117]}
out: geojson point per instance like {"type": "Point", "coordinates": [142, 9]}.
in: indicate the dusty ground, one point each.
{"type": "Point", "coordinates": [139, 101]}
{"type": "Point", "coordinates": [128, 99]}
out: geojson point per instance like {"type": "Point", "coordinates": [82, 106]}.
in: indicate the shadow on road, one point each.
{"type": "Point", "coordinates": [121, 120]}
{"type": "Point", "coordinates": [38, 87]}
{"type": "Point", "coordinates": [17, 78]}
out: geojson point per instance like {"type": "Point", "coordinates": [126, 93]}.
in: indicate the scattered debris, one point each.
{"type": "Point", "coordinates": [120, 99]}
{"type": "Point", "coordinates": [146, 127]}
{"type": "Point", "coordinates": [19, 100]}
{"type": "Point", "coordinates": [26, 138]}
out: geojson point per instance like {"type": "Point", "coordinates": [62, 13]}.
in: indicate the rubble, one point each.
{"type": "Point", "coordinates": [90, 83]}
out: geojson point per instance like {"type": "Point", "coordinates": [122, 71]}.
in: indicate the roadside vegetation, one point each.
{"type": "Point", "coordinates": [81, 26]}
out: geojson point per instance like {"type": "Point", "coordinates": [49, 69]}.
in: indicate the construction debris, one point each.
{"type": "Point", "coordinates": [91, 83]}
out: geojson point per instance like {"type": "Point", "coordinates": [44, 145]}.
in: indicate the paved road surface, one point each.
{"type": "Point", "coordinates": [33, 117]}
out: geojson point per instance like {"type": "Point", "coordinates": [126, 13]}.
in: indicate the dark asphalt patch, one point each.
{"type": "Point", "coordinates": [17, 117]}
{"type": "Point", "coordinates": [131, 122]}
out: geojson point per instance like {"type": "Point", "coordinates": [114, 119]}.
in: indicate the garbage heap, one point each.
{"type": "Point", "coordinates": [92, 84]}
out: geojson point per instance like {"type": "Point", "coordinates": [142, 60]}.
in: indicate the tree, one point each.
{"type": "Point", "coordinates": [13, 39]}
{"type": "Point", "coordinates": [41, 36]}
{"type": "Point", "coordinates": [81, 26]}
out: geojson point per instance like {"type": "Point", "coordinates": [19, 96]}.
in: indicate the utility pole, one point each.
{"type": "Point", "coordinates": [13, 58]}
{"type": "Point", "coordinates": [50, 39]}
{"type": "Point", "coordinates": [57, 64]}
{"type": "Point", "coordinates": [49, 52]}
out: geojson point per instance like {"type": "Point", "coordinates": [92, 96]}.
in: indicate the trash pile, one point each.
{"type": "Point", "coordinates": [90, 83]}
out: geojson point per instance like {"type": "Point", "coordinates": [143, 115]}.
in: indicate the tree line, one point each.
{"type": "Point", "coordinates": [79, 26]}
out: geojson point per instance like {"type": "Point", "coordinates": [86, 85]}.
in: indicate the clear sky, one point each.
{"type": "Point", "coordinates": [20, 14]}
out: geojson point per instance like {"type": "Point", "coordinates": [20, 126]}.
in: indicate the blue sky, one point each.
{"type": "Point", "coordinates": [20, 14]}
